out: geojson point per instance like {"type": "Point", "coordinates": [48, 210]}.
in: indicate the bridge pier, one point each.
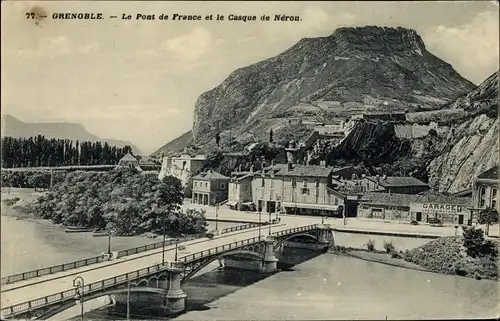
{"type": "Point", "coordinates": [175, 299]}
{"type": "Point", "coordinates": [325, 236]}
{"type": "Point", "coordinates": [270, 262]}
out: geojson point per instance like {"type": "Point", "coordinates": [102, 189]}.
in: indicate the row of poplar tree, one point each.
{"type": "Point", "coordinates": [39, 151]}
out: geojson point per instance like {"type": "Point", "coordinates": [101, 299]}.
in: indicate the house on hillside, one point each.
{"type": "Point", "coordinates": [393, 184]}
{"type": "Point", "coordinates": [128, 161]}
{"type": "Point", "coordinates": [210, 188]}
{"type": "Point", "coordinates": [183, 167]}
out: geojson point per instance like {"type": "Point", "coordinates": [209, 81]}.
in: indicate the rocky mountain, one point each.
{"type": "Point", "coordinates": [351, 71]}
{"type": "Point", "coordinates": [470, 145]}
{"type": "Point", "coordinates": [175, 146]}
{"type": "Point", "coordinates": [13, 127]}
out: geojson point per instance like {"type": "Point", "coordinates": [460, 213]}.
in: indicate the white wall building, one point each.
{"type": "Point", "coordinates": [181, 167]}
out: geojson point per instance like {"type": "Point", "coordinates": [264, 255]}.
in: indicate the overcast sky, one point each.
{"type": "Point", "coordinates": [139, 80]}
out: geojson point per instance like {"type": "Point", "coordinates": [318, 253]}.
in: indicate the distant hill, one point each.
{"type": "Point", "coordinates": [14, 127]}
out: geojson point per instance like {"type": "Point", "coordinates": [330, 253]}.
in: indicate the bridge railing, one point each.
{"type": "Point", "coordinates": [101, 258]}
{"type": "Point", "coordinates": [52, 269]}
{"type": "Point", "coordinates": [156, 245]}
{"type": "Point", "coordinates": [124, 278]}
{"type": "Point", "coordinates": [238, 244]}
{"type": "Point", "coordinates": [87, 290]}
{"type": "Point", "coordinates": [239, 227]}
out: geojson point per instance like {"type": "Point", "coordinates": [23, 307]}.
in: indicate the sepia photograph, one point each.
{"type": "Point", "coordinates": [249, 160]}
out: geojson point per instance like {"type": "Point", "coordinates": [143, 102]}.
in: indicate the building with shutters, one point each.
{"type": "Point", "coordinates": [297, 189]}
{"type": "Point", "coordinates": [210, 188]}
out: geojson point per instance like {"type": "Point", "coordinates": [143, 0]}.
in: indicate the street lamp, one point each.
{"type": "Point", "coordinates": [270, 222]}
{"type": "Point", "coordinates": [176, 246]}
{"type": "Point", "coordinates": [128, 300]}
{"type": "Point", "coordinates": [79, 285]}
{"type": "Point", "coordinates": [259, 220]}
{"type": "Point", "coordinates": [216, 216]}
{"type": "Point", "coordinates": [109, 243]}
{"type": "Point", "coordinates": [164, 236]}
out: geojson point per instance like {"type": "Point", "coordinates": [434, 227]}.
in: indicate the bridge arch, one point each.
{"type": "Point", "coordinates": [67, 305]}
{"type": "Point", "coordinates": [211, 259]}
{"type": "Point", "coordinates": [280, 242]}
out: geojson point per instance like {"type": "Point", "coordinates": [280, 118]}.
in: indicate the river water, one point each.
{"type": "Point", "coordinates": [325, 286]}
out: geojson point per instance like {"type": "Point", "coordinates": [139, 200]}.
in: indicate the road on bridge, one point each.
{"type": "Point", "coordinates": [23, 291]}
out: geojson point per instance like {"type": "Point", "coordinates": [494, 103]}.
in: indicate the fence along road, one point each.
{"type": "Point", "coordinates": [101, 258]}
{"type": "Point", "coordinates": [12, 295]}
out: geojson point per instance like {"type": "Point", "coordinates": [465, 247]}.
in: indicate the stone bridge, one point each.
{"type": "Point", "coordinates": [167, 279]}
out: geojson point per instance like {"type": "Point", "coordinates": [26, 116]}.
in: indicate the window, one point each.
{"type": "Point", "coordinates": [305, 191]}
{"type": "Point", "coordinates": [272, 183]}
{"type": "Point", "coordinates": [317, 183]}
{"type": "Point", "coordinates": [195, 184]}
{"type": "Point", "coordinates": [222, 185]}
{"type": "Point", "coordinates": [262, 182]}
{"type": "Point", "coordinates": [494, 197]}
{"type": "Point", "coordinates": [206, 184]}
{"type": "Point", "coordinates": [294, 182]}
{"type": "Point", "coordinates": [482, 194]}
{"type": "Point", "coordinates": [305, 182]}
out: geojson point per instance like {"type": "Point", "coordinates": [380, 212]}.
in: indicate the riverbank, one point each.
{"type": "Point", "coordinates": [441, 256]}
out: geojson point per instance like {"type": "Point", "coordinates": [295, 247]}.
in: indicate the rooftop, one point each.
{"type": "Point", "coordinates": [491, 173]}
{"type": "Point", "coordinates": [406, 199]}
{"type": "Point", "coordinates": [208, 176]}
{"type": "Point", "coordinates": [128, 157]}
{"type": "Point", "coordinates": [396, 181]}
{"type": "Point", "coordinates": [299, 170]}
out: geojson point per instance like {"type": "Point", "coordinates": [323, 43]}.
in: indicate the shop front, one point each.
{"type": "Point", "coordinates": [446, 213]}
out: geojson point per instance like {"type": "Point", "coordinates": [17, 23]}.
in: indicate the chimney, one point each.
{"type": "Point", "coordinates": [322, 163]}
{"type": "Point", "coordinates": [289, 166]}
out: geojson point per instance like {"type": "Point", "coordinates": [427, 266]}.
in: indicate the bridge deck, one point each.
{"type": "Point", "coordinates": [20, 292]}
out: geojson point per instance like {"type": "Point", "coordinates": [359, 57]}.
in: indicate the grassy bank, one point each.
{"type": "Point", "coordinates": [446, 255]}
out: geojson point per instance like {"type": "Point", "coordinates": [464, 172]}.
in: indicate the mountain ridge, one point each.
{"type": "Point", "coordinates": [11, 126]}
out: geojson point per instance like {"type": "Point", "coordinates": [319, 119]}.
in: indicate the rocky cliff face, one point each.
{"type": "Point", "coordinates": [470, 146]}
{"type": "Point", "coordinates": [348, 71]}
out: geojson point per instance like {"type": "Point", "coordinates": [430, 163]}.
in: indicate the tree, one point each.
{"type": "Point", "coordinates": [488, 216]}
{"type": "Point", "coordinates": [217, 138]}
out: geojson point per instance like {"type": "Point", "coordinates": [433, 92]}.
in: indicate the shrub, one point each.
{"type": "Point", "coordinates": [370, 245]}
{"type": "Point", "coordinates": [389, 247]}
{"type": "Point", "coordinates": [11, 201]}
{"type": "Point", "coordinates": [473, 240]}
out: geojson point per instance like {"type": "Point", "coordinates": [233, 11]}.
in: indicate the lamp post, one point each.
{"type": "Point", "coordinates": [260, 212]}
{"type": "Point", "coordinates": [270, 222]}
{"type": "Point", "coordinates": [176, 245]}
{"type": "Point", "coordinates": [216, 216]}
{"type": "Point", "coordinates": [79, 285]}
{"type": "Point", "coordinates": [109, 243]}
{"type": "Point", "coordinates": [164, 236]}
{"type": "Point", "coordinates": [128, 300]}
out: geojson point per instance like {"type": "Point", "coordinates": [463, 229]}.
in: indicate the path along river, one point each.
{"type": "Point", "coordinates": [325, 287]}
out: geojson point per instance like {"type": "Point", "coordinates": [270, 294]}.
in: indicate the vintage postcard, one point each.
{"type": "Point", "coordinates": [249, 160]}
